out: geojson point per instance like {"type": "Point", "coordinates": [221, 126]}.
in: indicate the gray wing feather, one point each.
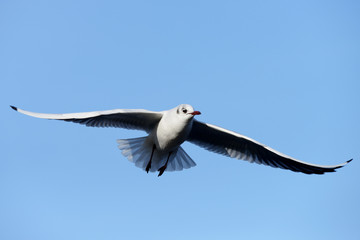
{"type": "Point", "coordinates": [235, 145]}
{"type": "Point", "coordinates": [139, 119]}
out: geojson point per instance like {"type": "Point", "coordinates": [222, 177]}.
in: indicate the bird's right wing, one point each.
{"type": "Point", "coordinates": [235, 145]}
{"type": "Point", "coordinates": [139, 119]}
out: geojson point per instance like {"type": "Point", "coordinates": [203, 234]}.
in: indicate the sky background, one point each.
{"type": "Point", "coordinates": [286, 73]}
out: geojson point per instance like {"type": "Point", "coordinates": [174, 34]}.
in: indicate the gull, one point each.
{"type": "Point", "coordinates": [161, 150]}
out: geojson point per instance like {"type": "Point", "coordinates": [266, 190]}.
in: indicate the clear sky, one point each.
{"type": "Point", "coordinates": [286, 73]}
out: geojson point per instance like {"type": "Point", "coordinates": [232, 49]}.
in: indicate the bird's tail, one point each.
{"type": "Point", "coordinates": [138, 151]}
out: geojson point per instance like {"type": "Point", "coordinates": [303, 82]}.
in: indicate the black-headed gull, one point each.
{"type": "Point", "coordinates": [161, 150]}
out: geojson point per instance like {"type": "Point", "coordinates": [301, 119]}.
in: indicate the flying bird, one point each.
{"type": "Point", "coordinates": [161, 149]}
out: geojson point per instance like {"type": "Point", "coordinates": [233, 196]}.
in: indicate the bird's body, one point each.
{"type": "Point", "coordinates": [161, 150]}
{"type": "Point", "coordinates": [172, 130]}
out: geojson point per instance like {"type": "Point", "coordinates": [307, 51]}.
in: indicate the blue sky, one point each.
{"type": "Point", "coordinates": [285, 73]}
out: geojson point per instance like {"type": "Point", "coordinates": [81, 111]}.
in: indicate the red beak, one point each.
{"type": "Point", "coordinates": [195, 113]}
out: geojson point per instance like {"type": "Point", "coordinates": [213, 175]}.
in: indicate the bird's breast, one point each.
{"type": "Point", "coordinates": [169, 135]}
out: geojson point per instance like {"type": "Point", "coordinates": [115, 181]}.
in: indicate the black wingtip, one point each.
{"type": "Point", "coordinates": [349, 161]}
{"type": "Point", "coordinates": [15, 108]}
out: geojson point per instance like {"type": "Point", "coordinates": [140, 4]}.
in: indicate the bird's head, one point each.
{"type": "Point", "coordinates": [187, 111]}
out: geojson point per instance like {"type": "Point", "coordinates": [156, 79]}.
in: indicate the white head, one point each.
{"type": "Point", "coordinates": [186, 110]}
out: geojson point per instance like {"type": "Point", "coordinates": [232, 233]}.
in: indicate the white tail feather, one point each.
{"type": "Point", "coordinates": [138, 151]}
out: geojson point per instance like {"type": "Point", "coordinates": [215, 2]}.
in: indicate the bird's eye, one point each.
{"type": "Point", "coordinates": [184, 110]}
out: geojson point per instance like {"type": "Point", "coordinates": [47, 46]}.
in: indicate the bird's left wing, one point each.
{"type": "Point", "coordinates": [235, 145]}
{"type": "Point", "coordinates": [139, 119]}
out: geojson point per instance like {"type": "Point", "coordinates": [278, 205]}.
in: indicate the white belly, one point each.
{"type": "Point", "coordinates": [169, 135]}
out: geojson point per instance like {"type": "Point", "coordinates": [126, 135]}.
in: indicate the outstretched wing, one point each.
{"type": "Point", "coordinates": [231, 144]}
{"type": "Point", "coordinates": [120, 118]}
